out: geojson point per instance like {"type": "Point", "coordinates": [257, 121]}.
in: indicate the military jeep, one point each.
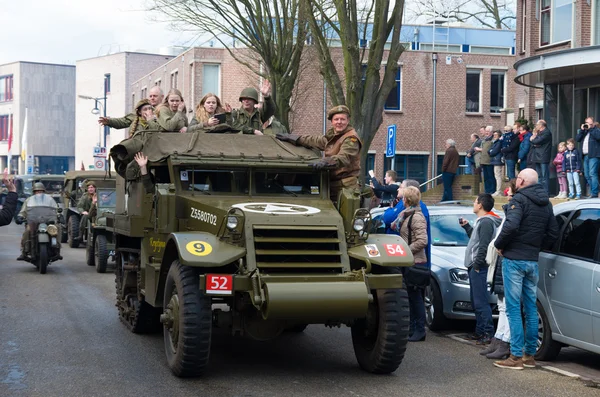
{"type": "Point", "coordinates": [72, 192]}
{"type": "Point", "coordinates": [100, 247]}
{"type": "Point", "coordinates": [239, 233]}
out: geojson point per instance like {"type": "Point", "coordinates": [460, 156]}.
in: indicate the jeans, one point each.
{"type": "Point", "coordinates": [447, 180]}
{"type": "Point", "coordinates": [503, 329]}
{"type": "Point", "coordinates": [573, 178]}
{"type": "Point", "coordinates": [480, 299]}
{"type": "Point", "coordinates": [520, 285]}
{"type": "Point", "coordinates": [510, 168]}
{"type": "Point", "coordinates": [416, 304]}
{"type": "Point", "coordinates": [542, 170]}
{"type": "Point", "coordinates": [489, 181]}
{"type": "Point", "coordinates": [590, 170]}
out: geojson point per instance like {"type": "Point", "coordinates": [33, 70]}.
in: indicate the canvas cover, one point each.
{"type": "Point", "coordinates": [159, 146]}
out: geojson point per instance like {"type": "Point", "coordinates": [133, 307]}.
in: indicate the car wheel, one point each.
{"type": "Point", "coordinates": [547, 349]}
{"type": "Point", "coordinates": [434, 307]}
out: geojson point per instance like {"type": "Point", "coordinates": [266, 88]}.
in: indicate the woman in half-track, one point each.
{"type": "Point", "coordinates": [172, 113]}
{"type": "Point", "coordinates": [210, 113]}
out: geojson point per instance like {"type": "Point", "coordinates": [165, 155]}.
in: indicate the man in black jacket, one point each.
{"type": "Point", "coordinates": [589, 136]}
{"type": "Point", "coordinates": [10, 204]}
{"type": "Point", "coordinates": [541, 147]}
{"type": "Point", "coordinates": [388, 192]}
{"type": "Point", "coordinates": [529, 226]}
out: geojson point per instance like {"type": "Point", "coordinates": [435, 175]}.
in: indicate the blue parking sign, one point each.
{"type": "Point", "coordinates": [390, 148]}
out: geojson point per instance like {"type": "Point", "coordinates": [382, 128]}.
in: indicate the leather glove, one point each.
{"type": "Point", "coordinates": [292, 138]}
{"type": "Point", "coordinates": [19, 220]}
{"type": "Point", "coordinates": [324, 162]}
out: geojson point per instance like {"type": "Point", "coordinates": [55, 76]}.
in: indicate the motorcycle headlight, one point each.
{"type": "Point", "coordinates": [232, 222]}
{"type": "Point", "coordinates": [42, 228]}
{"type": "Point", "coordinates": [459, 276]}
{"type": "Point", "coordinates": [52, 230]}
{"type": "Point", "coordinates": [359, 224]}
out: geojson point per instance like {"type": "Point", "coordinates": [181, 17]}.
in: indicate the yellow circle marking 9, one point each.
{"type": "Point", "coordinates": [198, 248]}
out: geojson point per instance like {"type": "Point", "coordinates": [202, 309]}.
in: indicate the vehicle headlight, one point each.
{"type": "Point", "coordinates": [459, 276]}
{"type": "Point", "coordinates": [42, 228]}
{"type": "Point", "coordinates": [52, 230]}
{"type": "Point", "coordinates": [232, 222]}
{"type": "Point", "coordinates": [358, 225]}
{"type": "Point", "coordinates": [101, 221]}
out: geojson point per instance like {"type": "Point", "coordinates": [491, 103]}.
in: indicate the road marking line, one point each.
{"type": "Point", "coordinates": [561, 371]}
{"type": "Point", "coordinates": [458, 338]}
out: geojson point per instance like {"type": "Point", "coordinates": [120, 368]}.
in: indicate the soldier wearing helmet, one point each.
{"type": "Point", "coordinates": [341, 146]}
{"type": "Point", "coordinates": [38, 199]}
{"type": "Point", "coordinates": [250, 117]}
{"type": "Point", "coordinates": [84, 205]}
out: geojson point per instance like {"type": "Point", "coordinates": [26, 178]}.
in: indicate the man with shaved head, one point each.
{"type": "Point", "coordinates": [528, 227]}
{"type": "Point", "coordinates": [155, 97]}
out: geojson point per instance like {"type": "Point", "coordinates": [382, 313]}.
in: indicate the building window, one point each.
{"type": "Point", "coordinates": [107, 83]}
{"type": "Point", "coordinates": [144, 93]}
{"type": "Point", "coordinates": [394, 99]}
{"type": "Point", "coordinates": [497, 92]}
{"type": "Point", "coordinates": [370, 166]}
{"type": "Point", "coordinates": [556, 21]}
{"type": "Point", "coordinates": [473, 91]}
{"type": "Point", "coordinates": [477, 49]}
{"type": "Point", "coordinates": [133, 100]}
{"type": "Point", "coordinates": [158, 83]}
{"type": "Point", "coordinates": [539, 114]}
{"type": "Point", "coordinates": [440, 47]}
{"type": "Point", "coordinates": [524, 26]}
{"type": "Point", "coordinates": [409, 166]}
{"type": "Point", "coordinates": [6, 88]}
{"type": "Point", "coordinates": [210, 79]}
{"type": "Point", "coordinates": [174, 76]}
{"type": "Point", "coordinates": [5, 125]}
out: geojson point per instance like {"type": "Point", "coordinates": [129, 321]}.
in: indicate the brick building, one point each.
{"type": "Point", "coordinates": [474, 86]}
{"type": "Point", "coordinates": [558, 63]}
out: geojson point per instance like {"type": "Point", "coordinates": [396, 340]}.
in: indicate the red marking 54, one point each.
{"type": "Point", "coordinates": [395, 250]}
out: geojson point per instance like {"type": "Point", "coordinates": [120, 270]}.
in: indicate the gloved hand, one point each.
{"type": "Point", "coordinates": [292, 138]}
{"type": "Point", "coordinates": [324, 162]}
{"type": "Point", "coordinates": [19, 220]}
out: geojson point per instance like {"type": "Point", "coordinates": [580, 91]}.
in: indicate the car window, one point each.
{"type": "Point", "coordinates": [581, 234]}
{"type": "Point", "coordinates": [445, 229]}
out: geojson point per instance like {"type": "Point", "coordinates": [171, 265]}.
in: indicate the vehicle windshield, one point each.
{"type": "Point", "coordinates": [214, 181]}
{"type": "Point", "coordinates": [53, 187]}
{"type": "Point", "coordinates": [106, 198]}
{"type": "Point", "coordinates": [292, 183]}
{"type": "Point", "coordinates": [41, 214]}
{"type": "Point", "coordinates": [446, 231]}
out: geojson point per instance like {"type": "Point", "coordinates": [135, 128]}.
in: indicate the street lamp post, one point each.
{"type": "Point", "coordinates": [95, 110]}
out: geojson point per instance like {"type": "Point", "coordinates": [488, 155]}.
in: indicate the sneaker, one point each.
{"type": "Point", "coordinates": [486, 340]}
{"type": "Point", "coordinates": [571, 196]}
{"type": "Point", "coordinates": [528, 361]}
{"type": "Point", "coordinates": [577, 197]}
{"type": "Point", "coordinates": [512, 362]}
{"type": "Point", "coordinates": [474, 336]}
{"type": "Point", "coordinates": [496, 194]}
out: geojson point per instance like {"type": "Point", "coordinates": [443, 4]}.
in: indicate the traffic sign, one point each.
{"type": "Point", "coordinates": [99, 151]}
{"type": "Point", "coordinates": [99, 163]}
{"type": "Point", "coordinates": [390, 148]}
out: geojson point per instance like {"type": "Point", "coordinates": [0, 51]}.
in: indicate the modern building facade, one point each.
{"type": "Point", "coordinates": [37, 99]}
{"type": "Point", "coordinates": [474, 85]}
{"type": "Point", "coordinates": [102, 83]}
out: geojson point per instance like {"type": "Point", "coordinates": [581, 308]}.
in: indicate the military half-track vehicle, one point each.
{"type": "Point", "coordinates": [238, 232]}
{"type": "Point", "coordinates": [72, 192]}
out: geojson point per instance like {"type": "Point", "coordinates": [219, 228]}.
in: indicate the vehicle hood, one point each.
{"type": "Point", "coordinates": [449, 257]}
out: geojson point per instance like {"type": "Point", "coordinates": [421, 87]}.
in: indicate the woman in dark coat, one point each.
{"type": "Point", "coordinates": [10, 203]}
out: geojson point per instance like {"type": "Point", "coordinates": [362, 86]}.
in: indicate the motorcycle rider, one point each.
{"type": "Point", "coordinates": [38, 199]}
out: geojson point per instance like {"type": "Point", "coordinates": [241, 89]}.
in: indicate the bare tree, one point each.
{"type": "Point", "coordinates": [494, 14]}
{"type": "Point", "coordinates": [274, 33]}
{"type": "Point", "coordinates": [364, 87]}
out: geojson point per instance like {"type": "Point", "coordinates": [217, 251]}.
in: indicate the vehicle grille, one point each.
{"type": "Point", "coordinates": [297, 247]}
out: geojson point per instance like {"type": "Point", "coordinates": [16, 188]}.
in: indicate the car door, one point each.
{"type": "Point", "coordinates": [596, 305]}
{"type": "Point", "coordinates": [569, 276]}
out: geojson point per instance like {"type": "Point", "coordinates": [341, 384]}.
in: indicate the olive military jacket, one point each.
{"type": "Point", "coordinates": [84, 203]}
{"type": "Point", "coordinates": [196, 125]}
{"type": "Point", "coordinates": [121, 122]}
{"type": "Point", "coordinates": [248, 122]}
{"type": "Point", "coordinates": [141, 124]}
{"type": "Point", "coordinates": [37, 200]}
{"type": "Point", "coordinates": [171, 121]}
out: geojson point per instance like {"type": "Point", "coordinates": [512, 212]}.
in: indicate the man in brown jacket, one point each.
{"type": "Point", "coordinates": [341, 145]}
{"type": "Point", "coordinates": [449, 167]}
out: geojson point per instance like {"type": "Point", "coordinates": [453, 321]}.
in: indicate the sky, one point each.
{"type": "Point", "coordinates": [64, 31]}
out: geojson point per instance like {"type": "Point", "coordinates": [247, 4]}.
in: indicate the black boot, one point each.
{"type": "Point", "coordinates": [417, 336]}
{"type": "Point", "coordinates": [22, 257]}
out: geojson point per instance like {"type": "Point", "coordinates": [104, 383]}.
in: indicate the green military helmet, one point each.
{"type": "Point", "coordinates": [249, 93]}
{"type": "Point", "coordinates": [39, 186]}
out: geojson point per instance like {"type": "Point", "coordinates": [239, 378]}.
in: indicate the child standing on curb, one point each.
{"type": "Point", "coordinates": [572, 167]}
{"type": "Point", "coordinates": [560, 174]}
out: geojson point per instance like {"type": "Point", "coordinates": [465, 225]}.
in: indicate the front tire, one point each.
{"type": "Point", "coordinates": [100, 253]}
{"type": "Point", "coordinates": [42, 261]}
{"type": "Point", "coordinates": [188, 322]}
{"type": "Point", "coordinates": [73, 231]}
{"type": "Point", "coordinates": [547, 349]}
{"type": "Point", "coordinates": [434, 308]}
{"type": "Point", "coordinates": [380, 339]}
{"type": "Point", "coordinates": [90, 254]}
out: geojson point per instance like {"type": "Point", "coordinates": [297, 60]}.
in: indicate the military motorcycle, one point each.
{"type": "Point", "coordinates": [43, 246]}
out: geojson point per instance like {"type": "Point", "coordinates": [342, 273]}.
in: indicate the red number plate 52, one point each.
{"type": "Point", "coordinates": [395, 250]}
{"type": "Point", "coordinates": [219, 284]}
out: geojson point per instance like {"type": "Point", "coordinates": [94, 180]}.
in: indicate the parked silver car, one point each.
{"type": "Point", "coordinates": [448, 296]}
{"type": "Point", "coordinates": [568, 296]}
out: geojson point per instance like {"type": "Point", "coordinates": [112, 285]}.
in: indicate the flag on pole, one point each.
{"type": "Point", "coordinates": [10, 140]}
{"type": "Point", "coordinates": [24, 139]}
{"type": "Point", "coordinates": [82, 166]}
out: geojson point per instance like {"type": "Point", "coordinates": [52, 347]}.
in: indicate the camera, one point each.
{"type": "Point", "coordinates": [586, 126]}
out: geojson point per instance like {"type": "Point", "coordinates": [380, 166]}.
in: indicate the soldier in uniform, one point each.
{"type": "Point", "coordinates": [250, 117]}
{"type": "Point", "coordinates": [38, 199]}
{"type": "Point", "coordinates": [342, 150]}
{"type": "Point", "coordinates": [85, 204]}
{"type": "Point", "coordinates": [155, 97]}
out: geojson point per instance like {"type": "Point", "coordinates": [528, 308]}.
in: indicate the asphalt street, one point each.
{"type": "Point", "coordinates": [60, 336]}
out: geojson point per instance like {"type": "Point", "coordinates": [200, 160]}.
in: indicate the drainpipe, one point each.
{"type": "Point", "coordinates": [573, 19]}
{"type": "Point", "coordinates": [434, 58]}
{"type": "Point", "coordinates": [324, 106]}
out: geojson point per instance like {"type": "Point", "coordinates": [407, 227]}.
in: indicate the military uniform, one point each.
{"type": "Point", "coordinates": [196, 125]}
{"type": "Point", "coordinates": [36, 200]}
{"type": "Point", "coordinates": [84, 205]}
{"type": "Point", "coordinates": [121, 122]}
{"type": "Point", "coordinates": [248, 122]}
{"type": "Point", "coordinates": [274, 128]}
{"type": "Point", "coordinates": [170, 121]}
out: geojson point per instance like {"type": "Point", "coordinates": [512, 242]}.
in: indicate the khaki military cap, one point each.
{"type": "Point", "coordinates": [337, 110]}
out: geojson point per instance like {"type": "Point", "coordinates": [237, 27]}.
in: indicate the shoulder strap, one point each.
{"type": "Point", "coordinates": [410, 228]}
